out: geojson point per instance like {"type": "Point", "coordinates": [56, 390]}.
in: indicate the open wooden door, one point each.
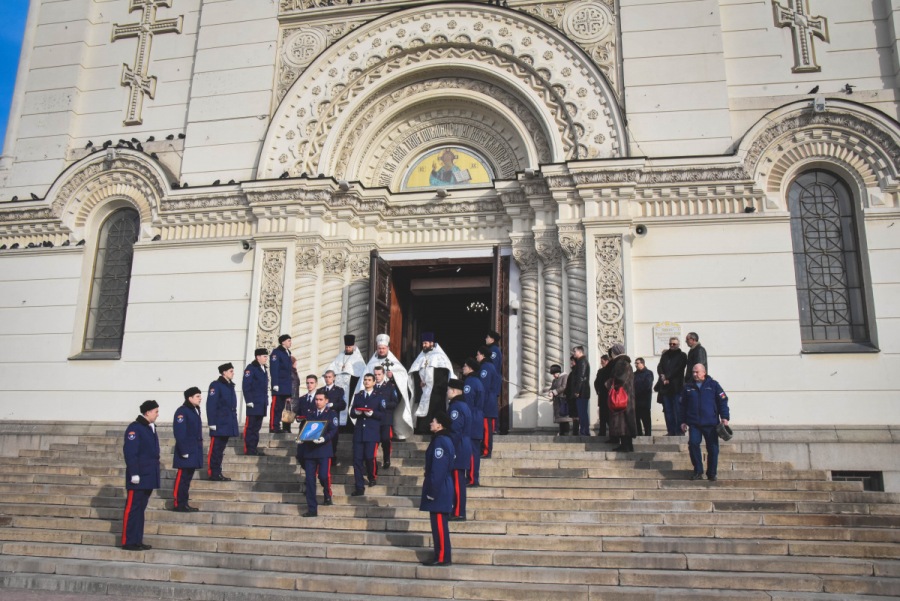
{"type": "Point", "coordinates": [500, 322]}
{"type": "Point", "coordinates": [380, 299]}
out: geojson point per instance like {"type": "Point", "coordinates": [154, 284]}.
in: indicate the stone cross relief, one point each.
{"type": "Point", "coordinates": [803, 29]}
{"type": "Point", "coordinates": [141, 83]}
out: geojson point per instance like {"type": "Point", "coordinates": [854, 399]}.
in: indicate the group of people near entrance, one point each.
{"type": "Point", "coordinates": [461, 413]}
{"type": "Point", "coordinates": [692, 401]}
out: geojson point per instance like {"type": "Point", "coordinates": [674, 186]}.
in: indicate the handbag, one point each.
{"type": "Point", "coordinates": [618, 398]}
{"type": "Point", "coordinates": [287, 415]}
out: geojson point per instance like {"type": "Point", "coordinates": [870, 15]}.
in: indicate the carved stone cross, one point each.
{"type": "Point", "coordinates": [137, 79]}
{"type": "Point", "coordinates": [803, 29]}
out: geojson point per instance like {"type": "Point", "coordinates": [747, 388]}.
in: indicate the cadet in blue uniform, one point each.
{"type": "Point", "coordinates": [336, 402]}
{"type": "Point", "coordinates": [282, 385]}
{"type": "Point", "coordinates": [302, 405]}
{"type": "Point", "coordinates": [221, 417]}
{"type": "Point", "coordinates": [473, 395]}
{"type": "Point", "coordinates": [318, 453]}
{"type": "Point", "coordinates": [490, 379]}
{"type": "Point", "coordinates": [492, 342]}
{"type": "Point", "coordinates": [366, 408]}
{"type": "Point", "coordinates": [460, 427]}
{"type": "Point", "coordinates": [437, 489]}
{"type": "Point", "coordinates": [187, 427]}
{"type": "Point", "coordinates": [141, 450]}
{"type": "Point", "coordinates": [256, 396]}
{"type": "Point", "coordinates": [387, 390]}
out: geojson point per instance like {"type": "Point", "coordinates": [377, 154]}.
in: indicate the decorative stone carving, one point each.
{"type": "Point", "coordinates": [358, 299]}
{"type": "Point", "coordinates": [335, 262]}
{"type": "Point", "coordinates": [571, 240]}
{"type": "Point", "coordinates": [610, 290]}
{"type": "Point", "coordinates": [308, 258]}
{"type": "Point", "coordinates": [526, 258]}
{"type": "Point", "coordinates": [804, 29]}
{"type": "Point", "coordinates": [547, 247]}
{"type": "Point", "coordinates": [301, 45]}
{"type": "Point", "coordinates": [331, 303]}
{"type": "Point", "coordinates": [271, 297]}
{"type": "Point", "coordinates": [138, 79]}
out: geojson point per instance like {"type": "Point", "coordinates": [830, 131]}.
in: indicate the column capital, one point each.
{"type": "Point", "coordinates": [546, 244]}
{"type": "Point", "coordinates": [571, 240]}
{"type": "Point", "coordinates": [524, 252]}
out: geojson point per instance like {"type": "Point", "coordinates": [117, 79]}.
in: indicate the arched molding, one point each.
{"type": "Point", "coordinates": [861, 143]}
{"type": "Point", "coordinates": [96, 179]}
{"type": "Point", "coordinates": [575, 104]}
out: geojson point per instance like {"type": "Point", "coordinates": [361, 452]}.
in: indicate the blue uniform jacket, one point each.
{"type": "Point", "coordinates": [335, 396]}
{"type": "Point", "coordinates": [461, 417]}
{"type": "Point", "coordinates": [387, 391]}
{"type": "Point", "coordinates": [325, 449]}
{"type": "Point", "coordinates": [141, 450]}
{"type": "Point", "coordinates": [280, 371]}
{"type": "Point", "coordinates": [473, 394]}
{"type": "Point", "coordinates": [367, 428]}
{"type": "Point", "coordinates": [490, 379]}
{"type": "Point", "coordinates": [496, 357]}
{"type": "Point", "coordinates": [256, 389]}
{"type": "Point", "coordinates": [221, 408]}
{"type": "Point", "coordinates": [437, 489]}
{"type": "Point", "coordinates": [188, 429]}
{"type": "Point", "coordinates": [302, 404]}
{"type": "Point", "coordinates": [703, 406]}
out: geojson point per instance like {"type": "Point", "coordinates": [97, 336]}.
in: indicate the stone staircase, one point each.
{"type": "Point", "coordinates": [555, 518]}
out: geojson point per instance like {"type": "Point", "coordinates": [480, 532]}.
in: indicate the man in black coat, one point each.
{"type": "Point", "coordinates": [142, 474]}
{"type": "Point", "coordinates": [581, 389]}
{"type": "Point", "coordinates": [671, 381]}
{"type": "Point", "coordinates": [696, 355]}
{"type": "Point", "coordinates": [643, 396]}
{"type": "Point", "coordinates": [187, 427]}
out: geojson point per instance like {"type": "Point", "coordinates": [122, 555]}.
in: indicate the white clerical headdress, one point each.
{"type": "Point", "coordinates": [382, 339]}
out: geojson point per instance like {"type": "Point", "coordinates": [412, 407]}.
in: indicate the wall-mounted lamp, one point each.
{"type": "Point", "coordinates": [247, 245]}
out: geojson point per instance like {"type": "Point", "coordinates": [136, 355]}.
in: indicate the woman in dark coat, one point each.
{"type": "Point", "coordinates": [622, 423]}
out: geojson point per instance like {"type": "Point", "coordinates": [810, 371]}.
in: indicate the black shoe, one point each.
{"type": "Point", "coordinates": [619, 448]}
{"type": "Point", "coordinates": [386, 464]}
{"type": "Point", "coordinates": [475, 485]}
{"type": "Point", "coordinates": [372, 482]}
{"type": "Point", "coordinates": [182, 509]}
{"type": "Point", "coordinates": [132, 547]}
{"type": "Point", "coordinates": [310, 514]}
{"type": "Point", "coordinates": [220, 478]}
{"type": "Point", "coordinates": [145, 547]}
{"type": "Point", "coordinates": [697, 476]}
{"type": "Point", "coordinates": [191, 509]}
{"type": "Point", "coordinates": [357, 493]}
{"type": "Point", "coordinates": [435, 563]}
{"type": "Point", "coordinates": [457, 518]}
{"type": "Point", "coordinates": [712, 478]}
{"type": "Point", "coordinates": [328, 501]}
{"type": "Point", "coordinates": [260, 453]}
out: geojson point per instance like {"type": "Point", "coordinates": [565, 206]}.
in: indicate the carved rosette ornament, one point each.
{"type": "Point", "coordinates": [571, 240]}
{"type": "Point", "coordinates": [271, 296]}
{"type": "Point", "coordinates": [526, 258]}
{"type": "Point", "coordinates": [331, 304]}
{"type": "Point", "coordinates": [305, 286]}
{"type": "Point", "coordinates": [610, 290]}
{"type": "Point", "coordinates": [358, 299]}
{"type": "Point", "coordinates": [547, 246]}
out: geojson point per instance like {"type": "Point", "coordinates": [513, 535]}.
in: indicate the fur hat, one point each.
{"type": "Point", "coordinates": [148, 406]}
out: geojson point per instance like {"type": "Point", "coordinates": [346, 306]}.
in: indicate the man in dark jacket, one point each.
{"type": "Point", "coordinates": [703, 406]}
{"type": "Point", "coordinates": [491, 381]}
{"type": "Point", "coordinates": [473, 395]}
{"type": "Point", "coordinates": [437, 488]}
{"type": "Point", "coordinates": [387, 390]}
{"type": "Point", "coordinates": [256, 396]}
{"type": "Point", "coordinates": [671, 381]}
{"type": "Point", "coordinates": [335, 395]}
{"type": "Point", "coordinates": [581, 389]}
{"type": "Point", "coordinates": [187, 427]}
{"type": "Point", "coordinates": [141, 451]}
{"type": "Point", "coordinates": [366, 409]}
{"type": "Point", "coordinates": [643, 396]}
{"type": "Point", "coordinates": [318, 454]}
{"type": "Point", "coordinates": [601, 385]}
{"type": "Point", "coordinates": [282, 382]}
{"type": "Point", "coordinates": [461, 424]}
{"type": "Point", "coordinates": [221, 417]}
{"type": "Point", "coordinates": [696, 355]}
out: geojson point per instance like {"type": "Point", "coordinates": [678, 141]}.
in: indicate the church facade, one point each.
{"type": "Point", "coordinates": [193, 178]}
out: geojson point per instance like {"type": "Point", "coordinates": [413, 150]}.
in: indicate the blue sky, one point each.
{"type": "Point", "coordinates": [12, 27]}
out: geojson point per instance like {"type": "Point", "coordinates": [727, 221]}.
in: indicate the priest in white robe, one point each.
{"type": "Point", "coordinates": [430, 372]}
{"type": "Point", "coordinates": [348, 367]}
{"type": "Point", "coordinates": [403, 419]}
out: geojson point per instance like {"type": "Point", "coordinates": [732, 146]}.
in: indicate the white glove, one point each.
{"type": "Point", "coordinates": [185, 456]}
{"type": "Point", "coordinates": [319, 440]}
{"type": "Point", "coordinates": [357, 412]}
{"type": "Point", "coordinates": [212, 427]}
{"type": "Point", "coordinates": [135, 479]}
{"type": "Point", "coordinates": [328, 405]}
{"type": "Point", "coordinates": [250, 405]}
{"type": "Point", "coordinates": [275, 388]}
{"type": "Point", "coordinates": [429, 498]}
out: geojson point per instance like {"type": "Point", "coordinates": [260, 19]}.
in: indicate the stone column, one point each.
{"type": "Point", "coordinates": [526, 258]}
{"type": "Point", "coordinates": [610, 290]}
{"type": "Point", "coordinates": [571, 239]}
{"type": "Point", "coordinates": [305, 287]}
{"type": "Point", "coordinates": [358, 301]}
{"type": "Point", "coordinates": [271, 297]}
{"type": "Point", "coordinates": [331, 304]}
{"type": "Point", "coordinates": [547, 246]}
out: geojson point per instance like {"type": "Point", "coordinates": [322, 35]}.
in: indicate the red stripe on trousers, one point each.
{"type": "Point", "coordinates": [443, 544]}
{"type": "Point", "coordinates": [329, 477]}
{"type": "Point", "coordinates": [375, 462]}
{"type": "Point", "coordinates": [456, 490]}
{"type": "Point", "coordinates": [209, 455]}
{"type": "Point", "coordinates": [272, 415]}
{"type": "Point", "coordinates": [472, 469]}
{"type": "Point", "coordinates": [244, 435]}
{"type": "Point", "coordinates": [177, 483]}
{"type": "Point", "coordinates": [125, 520]}
{"type": "Point", "coordinates": [487, 437]}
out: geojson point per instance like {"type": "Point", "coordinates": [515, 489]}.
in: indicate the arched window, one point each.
{"type": "Point", "coordinates": [831, 287]}
{"type": "Point", "coordinates": [110, 282]}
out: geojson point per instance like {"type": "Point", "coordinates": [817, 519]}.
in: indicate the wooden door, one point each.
{"type": "Point", "coordinates": [380, 299]}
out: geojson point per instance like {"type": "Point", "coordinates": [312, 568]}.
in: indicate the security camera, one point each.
{"type": "Point", "coordinates": [246, 244]}
{"type": "Point", "coordinates": [640, 230]}
{"type": "Point", "coordinates": [819, 104]}
{"type": "Point", "coordinates": [441, 192]}
{"type": "Point", "coordinates": [344, 185]}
